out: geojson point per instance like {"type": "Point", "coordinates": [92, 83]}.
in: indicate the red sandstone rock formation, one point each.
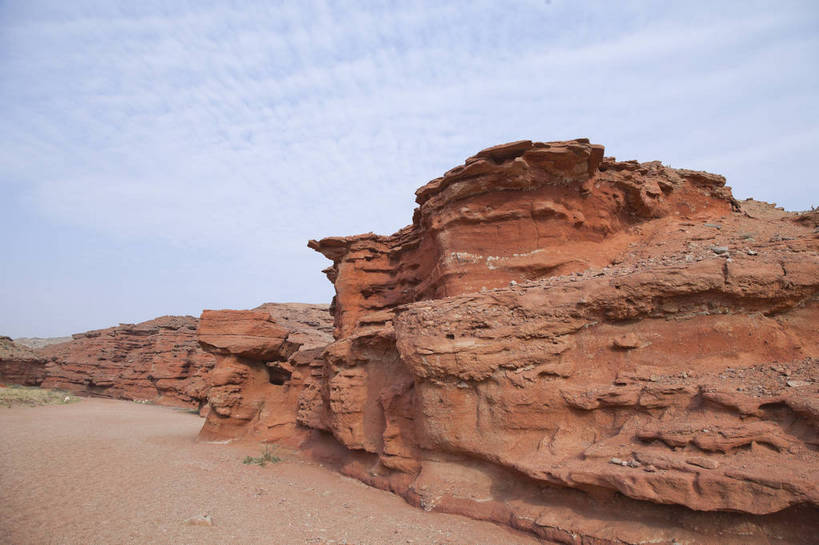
{"type": "Point", "coordinates": [520, 211]}
{"type": "Point", "coordinates": [20, 364]}
{"type": "Point", "coordinates": [161, 361]}
{"type": "Point", "coordinates": [592, 350]}
{"type": "Point", "coordinates": [263, 358]}
{"type": "Point", "coordinates": [158, 361]}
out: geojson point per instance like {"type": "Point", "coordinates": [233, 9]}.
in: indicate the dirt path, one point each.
{"type": "Point", "coordinates": [114, 472]}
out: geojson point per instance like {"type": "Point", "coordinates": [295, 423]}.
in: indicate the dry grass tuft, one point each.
{"type": "Point", "coordinates": [31, 396]}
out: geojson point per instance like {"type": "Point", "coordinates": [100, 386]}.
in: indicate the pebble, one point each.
{"type": "Point", "coordinates": [797, 383]}
{"type": "Point", "coordinates": [200, 520]}
{"type": "Point", "coordinates": [624, 463]}
{"type": "Point", "coordinates": [719, 250]}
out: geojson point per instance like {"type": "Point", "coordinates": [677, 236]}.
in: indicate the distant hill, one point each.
{"type": "Point", "coordinates": [40, 342]}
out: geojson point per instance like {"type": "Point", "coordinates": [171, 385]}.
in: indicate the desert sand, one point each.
{"type": "Point", "coordinates": [103, 472]}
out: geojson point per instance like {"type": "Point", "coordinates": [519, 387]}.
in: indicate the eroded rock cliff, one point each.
{"type": "Point", "coordinates": [19, 364]}
{"type": "Point", "coordinates": [163, 361]}
{"type": "Point", "coordinates": [158, 361]}
{"type": "Point", "coordinates": [264, 357]}
{"type": "Point", "coordinates": [591, 350]}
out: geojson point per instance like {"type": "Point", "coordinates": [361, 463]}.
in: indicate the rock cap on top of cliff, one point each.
{"type": "Point", "coordinates": [249, 333]}
{"type": "Point", "coordinates": [563, 159]}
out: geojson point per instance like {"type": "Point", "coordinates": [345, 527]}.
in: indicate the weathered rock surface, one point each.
{"type": "Point", "coordinates": [516, 212]}
{"type": "Point", "coordinates": [591, 350]}
{"type": "Point", "coordinates": [161, 361]}
{"type": "Point", "coordinates": [263, 359]}
{"type": "Point", "coordinates": [158, 361]}
{"type": "Point", "coordinates": [19, 364]}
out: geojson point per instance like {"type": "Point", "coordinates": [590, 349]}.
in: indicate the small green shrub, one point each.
{"type": "Point", "coordinates": [267, 456]}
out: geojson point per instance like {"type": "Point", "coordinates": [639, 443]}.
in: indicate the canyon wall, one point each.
{"type": "Point", "coordinates": [598, 352]}
{"type": "Point", "coordinates": [592, 350]}
{"type": "Point", "coordinates": [19, 364]}
{"type": "Point", "coordinates": [163, 361]}
{"type": "Point", "coordinates": [157, 361]}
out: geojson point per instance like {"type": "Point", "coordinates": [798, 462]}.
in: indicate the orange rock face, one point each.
{"type": "Point", "coordinates": [158, 361]}
{"type": "Point", "coordinates": [264, 358]}
{"type": "Point", "coordinates": [591, 350]}
{"type": "Point", "coordinates": [516, 212]}
{"type": "Point", "coordinates": [243, 369]}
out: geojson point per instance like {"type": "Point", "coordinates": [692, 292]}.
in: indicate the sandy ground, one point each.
{"type": "Point", "coordinates": [116, 472]}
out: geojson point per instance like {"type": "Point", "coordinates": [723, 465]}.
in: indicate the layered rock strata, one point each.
{"type": "Point", "coordinates": [263, 359]}
{"type": "Point", "coordinates": [592, 350]}
{"type": "Point", "coordinates": [20, 364]}
{"type": "Point", "coordinates": [162, 361]}
{"type": "Point", "coordinates": [157, 361]}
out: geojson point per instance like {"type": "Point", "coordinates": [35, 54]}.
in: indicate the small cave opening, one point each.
{"type": "Point", "coordinates": [450, 336]}
{"type": "Point", "coordinates": [93, 388]}
{"type": "Point", "coordinates": [276, 374]}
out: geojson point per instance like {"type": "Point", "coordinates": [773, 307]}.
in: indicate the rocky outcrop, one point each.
{"type": "Point", "coordinates": [516, 212]}
{"type": "Point", "coordinates": [162, 361]}
{"type": "Point", "coordinates": [264, 357]}
{"type": "Point", "coordinates": [19, 364]}
{"type": "Point", "coordinates": [591, 350]}
{"type": "Point", "coordinates": [157, 361]}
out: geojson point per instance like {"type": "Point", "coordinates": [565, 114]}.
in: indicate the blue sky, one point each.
{"type": "Point", "coordinates": [161, 158]}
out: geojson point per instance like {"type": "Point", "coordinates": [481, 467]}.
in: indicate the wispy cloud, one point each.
{"type": "Point", "coordinates": [240, 131]}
